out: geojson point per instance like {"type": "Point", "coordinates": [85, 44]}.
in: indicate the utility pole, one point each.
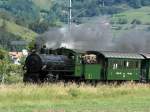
{"type": "Point", "coordinates": [66, 42]}
{"type": "Point", "coordinates": [103, 3]}
{"type": "Point", "coordinates": [70, 14]}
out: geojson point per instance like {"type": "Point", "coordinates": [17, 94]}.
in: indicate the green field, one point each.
{"type": "Point", "coordinates": [142, 14]}
{"type": "Point", "coordinates": [72, 98]}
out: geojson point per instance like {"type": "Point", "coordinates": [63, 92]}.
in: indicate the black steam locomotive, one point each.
{"type": "Point", "coordinates": [48, 65]}
{"type": "Point", "coordinates": [66, 64]}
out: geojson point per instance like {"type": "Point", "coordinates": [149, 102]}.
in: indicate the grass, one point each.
{"type": "Point", "coordinates": [17, 30]}
{"type": "Point", "coordinates": [72, 98]}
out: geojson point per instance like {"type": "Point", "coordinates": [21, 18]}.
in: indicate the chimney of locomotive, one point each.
{"type": "Point", "coordinates": [44, 50]}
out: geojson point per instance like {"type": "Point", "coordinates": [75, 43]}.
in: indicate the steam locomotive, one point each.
{"type": "Point", "coordinates": [67, 64]}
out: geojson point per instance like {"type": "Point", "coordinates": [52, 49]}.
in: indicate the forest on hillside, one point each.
{"type": "Point", "coordinates": [38, 15]}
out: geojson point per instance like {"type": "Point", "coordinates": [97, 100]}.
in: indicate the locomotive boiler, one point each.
{"type": "Point", "coordinates": [42, 67]}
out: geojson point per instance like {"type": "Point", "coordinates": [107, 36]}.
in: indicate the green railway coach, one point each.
{"type": "Point", "coordinates": [114, 66]}
{"type": "Point", "coordinates": [122, 66]}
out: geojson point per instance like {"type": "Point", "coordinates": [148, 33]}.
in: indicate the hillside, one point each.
{"type": "Point", "coordinates": [43, 4]}
{"type": "Point", "coordinates": [22, 18]}
{"type": "Point", "coordinates": [132, 19]}
{"type": "Point", "coordinates": [22, 32]}
{"type": "Point", "coordinates": [10, 31]}
{"type": "Point", "coordinates": [141, 14]}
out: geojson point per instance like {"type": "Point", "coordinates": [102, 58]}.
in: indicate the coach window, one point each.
{"type": "Point", "coordinates": [119, 64]}
{"type": "Point", "coordinates": [127, 63]}
{"type": "Point", "coordinates": [90, 59]}
{"type": "Point", "coordinates": [132, 64]}
{"type": "Point", "coordinates": [137, 64]}
{"type": "Point", "coordinates": [112, 64]}
{"type": "Point", "coordinates": [115, 66]}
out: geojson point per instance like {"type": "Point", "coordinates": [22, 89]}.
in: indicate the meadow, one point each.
{"type": "Point", "coordinates": [128, 97]}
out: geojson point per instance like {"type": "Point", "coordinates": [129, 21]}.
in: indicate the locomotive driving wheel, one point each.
{"type": "Point", "coordinates": [52, 78]}
{"type": "Point", "coordinates": [31, 78]}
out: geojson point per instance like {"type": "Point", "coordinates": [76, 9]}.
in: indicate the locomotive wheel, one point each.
{"type": "Point", "coordinates": [26, 78]}
{"type": "Point", "coordinates": [52, 78]}
{"type": "Point", "coordinates": [31, 78]}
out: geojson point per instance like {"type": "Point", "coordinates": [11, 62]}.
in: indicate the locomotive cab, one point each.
{"type": "Point", "coordinates": [93, 65]}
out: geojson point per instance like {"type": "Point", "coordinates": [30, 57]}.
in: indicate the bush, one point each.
{"type": "Point", "coordinates": [14, 74]}
{"type": "Point", "coordinates": [118, 28]}
{"type": "Point", "coordinates": [148, 28]}
{"type": "Point", "coordinates": [122, 21]}
{"type": "Point", "coordinates": [136, 21]}
{"type": "Point", "coordinates": [147, 23]}
{"type": "Point", "coordinates": [10, 73]}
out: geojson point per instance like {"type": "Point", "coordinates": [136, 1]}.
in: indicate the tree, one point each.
{"type": "Point", "coordinates": [145, 2]}
{"type": "Point", "coordinates": [4, 60]}
{"type": "Point", "coordinates": [4, 66]}
{"type": "Point", "coordinates": [25, 9]}
{"type": "Point", "coordinates": [39, 27]}
{"type": "Point", "coordinates": [135, 3]}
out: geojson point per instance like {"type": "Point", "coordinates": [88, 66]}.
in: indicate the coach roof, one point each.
{"type": "Point", "coordinates": [111, 54]}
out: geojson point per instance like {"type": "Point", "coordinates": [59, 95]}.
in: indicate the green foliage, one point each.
{"type": "Point", "coordinates": [148, 28]}
{"type": "Point", "coordinates": [39, 26]}
{"type": "Point", "coordinates": [6, 38]}
{"type": "Point", "coordinates": [38, 15]}
{"type": "Point", "coordinates": [136, 21]}
{"type": "Point", "coordinates": [145, 2]}
{"type": "Point", "coordinates": [135, 3]}
{"type": "Point", "coordinates": [141, 14]}
{"type": "Point", "coordinates": [22, 9]}
{"type": "Point", "coordinates": [10, 73]}
{"type": "Point", "coordinates": [6, 15]}
{"type": "Point", "coordinates": [122, 21]}
{"type": "Point", "coordinates": [119, 19]}
{"type": "Point", "coordinates": [3, 54]}
{"type": "Point", "coordinates": [10, 31]}
{"type": "Point", "coordinates": [31, 45]}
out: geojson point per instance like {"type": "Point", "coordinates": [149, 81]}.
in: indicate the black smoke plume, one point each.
{"type": "Point", "coordinates": [91, 36]}
{"type": "Point", "coordinates": [96, 35]}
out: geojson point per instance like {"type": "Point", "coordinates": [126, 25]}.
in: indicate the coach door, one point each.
{"type": "Point", "coordinates": [145, 70]}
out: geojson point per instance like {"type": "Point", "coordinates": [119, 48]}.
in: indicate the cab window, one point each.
{"type": "Point", "coordinates": [90, 59]}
